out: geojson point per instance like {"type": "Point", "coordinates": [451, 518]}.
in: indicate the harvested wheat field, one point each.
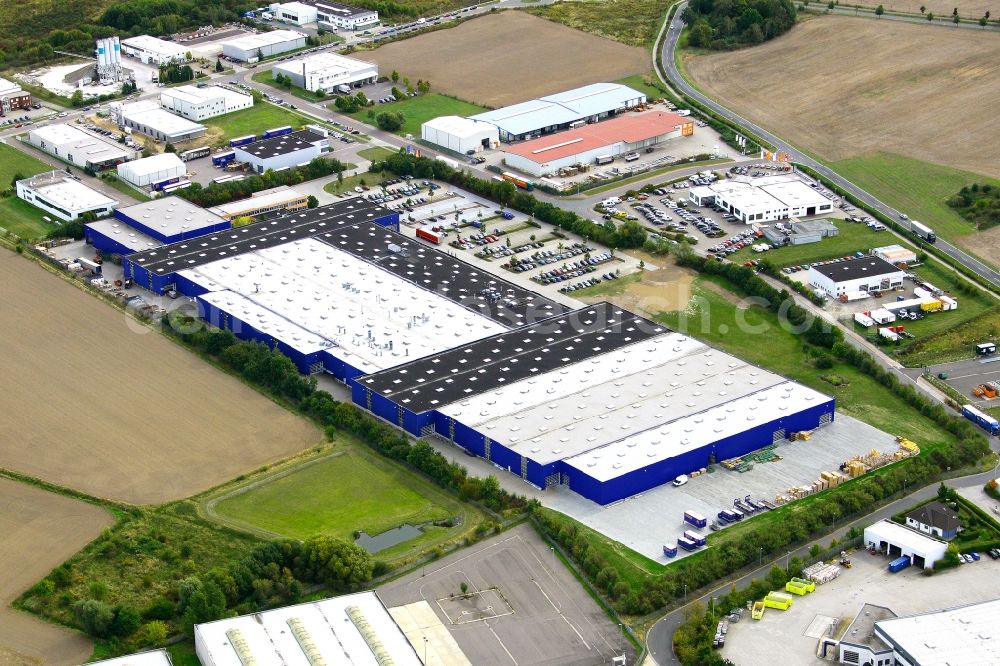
{"type": "Point", "coordinates": [842, 86]}
{"type": "Point", "coordinates": [968, 9]}
{"type": "Point", "coordinates": [95, 402]}
{"type": "Point", "coordinates": [509, 57]}
{"type": "Point", "coordinates": [40, 531]}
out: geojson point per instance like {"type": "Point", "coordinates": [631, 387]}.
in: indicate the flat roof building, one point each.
{"type": "Point", "coordinates": [350, 630]}
{"type": "Point", "coordinates": [297, 13]}
{"type": "Point", "coordinates": [149, 118]}
{"type": "Point", "coordinates": [898, 540]}
{"type": "Point", "coordinates": [80, 148]}
{"type": "Point", "coordinates": [584, 145]}
{"type": "Point", "coordinates": [895, 254]}
{"type": "Point", "coordinates": [766, 199]}
{"type": "Point", "coordinates": [171, 219]}
{"type": "Point", "coordinates": [151, 658]}
{"type": "Point", "coordinates": [336, 16]}
{"type": "Point", "coordinates": [961, 635]}
{"type": "Point", "coordinates": [559, 111]}
{"type": "Point", "coordinates": [252, 48]}
{"type": "Point", "coordinates": [153, 169]}
{"type": "Point", "coordinates": [112, 236]}
{"type": "Point", "coordinates": [325, 71]}
{"type": "Point", "coordinates": [63, 196]}
{"type": "Point", "coordinates": [154, 51]}
{"type": "Point", "coordinates": [281, 198]}
{"type": "Point", "coordinates": [861, 644]}
{"type": "Point", "coordinates": [197, 104]}
{"type": "Point", "coordinates": [856, 274]}
{"type": "Point", "coordinates": [460, 134]}
{"type": "Point", "coordinates": [13, 97]}
{"type": "Point", "coordinates": [283, 152]}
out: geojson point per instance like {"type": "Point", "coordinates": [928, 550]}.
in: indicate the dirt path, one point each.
{"type": "Point", "coordinates": [40, 531]}
{"type": "Point", "coordinates": [98, 403]}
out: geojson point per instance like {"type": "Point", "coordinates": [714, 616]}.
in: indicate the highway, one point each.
{"type": "Point", "coordinates": [669, 67]}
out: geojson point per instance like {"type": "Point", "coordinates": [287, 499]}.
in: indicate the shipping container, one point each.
{"type": "Point", "coordinates": [670, 551]}
{"type": "Point", "coordinates": [694, 536]}
{"type": "Point", "coordinates": [695, 519]}
{"type": "Point", "coordinates": [686, 544]}
{"type": "Point", "coordinates": [242, 140]}
{"type": "Point", "coordinates": [984, 421]}
{"type": "Point", "coordinates": [222, 159]}
{"type": "Point", "coordinates": [899, 564]}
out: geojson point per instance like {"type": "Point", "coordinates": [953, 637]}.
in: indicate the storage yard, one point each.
{"type": "Point", "coordinates": [525, 607]}
{"type": "Point", "coordinates": [857, 110]}
{"type": "Point", "coordinates": [41, 530]}
{"type": "Point", "coordinates": [111, 408]}
{"type": "Point", "coordinates": [800, 629]}
{"type": "Point", "coordinates": [443, 58]}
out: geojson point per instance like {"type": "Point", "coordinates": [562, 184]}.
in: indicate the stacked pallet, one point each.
{"type": "Point", "coordinates": [820, 573]}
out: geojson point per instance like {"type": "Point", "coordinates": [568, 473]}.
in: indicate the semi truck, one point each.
{"type": "Point", "coordinates": [922, 231]}
{"type": "Point", "coordinates": [984, 421]}
{"type": "Point", "coordinates": [899, 563]}
{"type": "Point", "coordinates": [604, 159]}
{"type": "Point", "coordinates": [695, 519]}
{"type": "Point", "coordinates": [222, 159]}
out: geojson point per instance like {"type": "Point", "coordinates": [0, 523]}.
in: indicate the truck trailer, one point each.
{"type": "Point", "coordinates": [686, 544]}
{"type": "Point", "coordinates": [695, 519]}
{"type": "Point", "coordinates": [984, 421]}
{"type": "Point", "coordinates": [694, 536]}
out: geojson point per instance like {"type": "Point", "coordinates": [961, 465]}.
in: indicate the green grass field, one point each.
{"type": "Point", "coordinates": [266, 78]}
{"type": "Point", "coordinates": [260, 117]}
{"type": "Point", "coordinates": [418, 110]}
{"type": "Point", "coordinates": [756, 335]}
{"type": "Point", "coordinates": [644, 83]}
{"type": "Point", "coordinates": [375, 154]}
{"type": "Point", "coordinates": [953, 342]}
{"type": "Point", "coordinates": [337, 496]}
{"type": "Point", "coordinates": [350, 182]}
{"type": "Point", "coordinates": [21, 218]}
{"type": "Point", "coordinates": [920, 189]}
{"type": "Point", "coordinates": [13, 162]}
{"type": "Point", "coordinates": [633, 22]}
{"type": "Point", "coordinates": [125, 188]}
{"type": "Point", "coordinates": [852, 237]}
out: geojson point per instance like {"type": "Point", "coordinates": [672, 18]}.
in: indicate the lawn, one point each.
{"type": "Point", "coordinates": [644, 83]}
{"type": "Point", "coordinates": [375, 154]}
{"type": "Point", "coordinates": [852, 237]}
{"type": "Point", "coordinates": [267, 78]}
{"type": "Point", "coordinates": [418, 110]}
{"type": "Point", "coordinates": [756, 335]}
{"type": "Point", "coordinates": [113, 181]}
{"type": "Point", "coordinates": [920, 189]}
{"type": "Point", "coordinates": [260, 117]}
{"type": "Point", "coordinates": [633, 22]}
{"type": "Point", "coordinates": [954, 342]}
{"type": "Point", "coordinates": [350, 182]}
{"type": "Point", "coordinates": [609, 288]}
{"type": "Point", "coordinates": [970, 306]}
{"type": "Point", "coordinates": [24, 220]}
{"type": "Point", "coordinates": [13, 162]}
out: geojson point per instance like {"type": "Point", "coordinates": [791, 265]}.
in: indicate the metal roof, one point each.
{"type": "Point", "coordinates": [259, 40]}
{"type": "Point", "coordinates": [75, 140]}
{"type": "Point", "coordinates": [323, 63]}
{"type": "Point", "coordinates": [312, 296]}
{"type": "Point", "coordinates": [459, 126]}
{"type": "Point", "coordinates": [60, 189]}
{"type": "Point", "coordinates": [161, 120]}
{"type": "Point", "coordinates": [561, 108]}
{"type": "Point", "coordinates": [963, 635]}
{"type": "Point", "coordinates": [486, 365]}
{"type": "Point", "coordinates": [280, 145]}
{"type": "Point", "coordinates": [155, 45]}
{"type": "Point", "coordinates": [347, 631]}
{"type": "Point", "coordinates": [124, 234]}
{"type": "Point", "coordinates": [151, 658]}
{"type": "Point", "coordinates": [171, 215]}
{"type": "Point", "coordinates": [852, 269]}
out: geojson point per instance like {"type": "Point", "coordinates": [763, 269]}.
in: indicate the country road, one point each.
{"type": "Point", "coordinates": [677, 80]}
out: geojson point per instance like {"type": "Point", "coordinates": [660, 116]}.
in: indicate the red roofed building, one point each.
{"type": "Point", "coordinates": [586, 144]}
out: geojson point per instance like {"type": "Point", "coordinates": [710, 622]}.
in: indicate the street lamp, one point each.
{"type": "Point", "coordinates": [685, 593]}
{"type": "Point", "coordinates": [425, 651]}
{"type": "Point", "coordinates": [760, 559]}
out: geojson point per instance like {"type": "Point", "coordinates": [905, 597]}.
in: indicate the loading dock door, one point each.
{"type": "Point", "coordinates": [810, 210]}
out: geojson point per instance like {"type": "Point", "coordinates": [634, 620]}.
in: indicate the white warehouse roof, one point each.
{"type": "Point", "coordinates": [342, 299]}
{"type": "Point", "coordinates": [457, 126]}
{"type": "Point", "coordinates": [68, 193]}
{"type": "Point", "coordinates": [124, 234]}
{"type": "Point", "coordinates": [155, 45]}
{"type": "Point", "coordinates": [337, 65]}
{"type": "Point", "coordinates": [900, 535]}
{"type": "Point", "coordinates": [194, 94]}
{"type": "Point", "coordinates": [152, 658]}
{"type": "Point", "coordinates": [159, 119]}
{"type": "Point", "coordinates": [963, 635]}
{"type": "Point", "coordinates": [252, 42]}
{"type": "Point", "coordinates": [154, 164]}
{"type": "Point", "coordinates": [561, 108]}
{"type": "Point", "coordinates": [95, 147]}
{"type": "Point", "coordinates": [171, 215]}
{"type": "Point", "coordinates": [351, 630]}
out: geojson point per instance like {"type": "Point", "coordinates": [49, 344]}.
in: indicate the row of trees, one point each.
{"type": "Point", "coordinates": [270, 369]}
{"type": "Point", "coordinates": [729, 24]}
{"type": "Point", "coordinates": [219, 193]}
{"type": "Point", "coordinates": [629, 234]}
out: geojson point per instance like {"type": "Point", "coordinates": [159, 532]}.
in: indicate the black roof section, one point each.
{"type": "Point", "coordinates": [302, 224]}
{"type": "Point", "coordinates": [852, 269]}
{"type": "Point", "coordinates": [281, 145]}
{"type": "Point", "coordinates": [937, 515]}
{"type": "Point", "coordinates": [436, 271]}
{"type": "Point", "coordinates": [475, 368]}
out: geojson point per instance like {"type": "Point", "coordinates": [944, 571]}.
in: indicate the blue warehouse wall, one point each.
{"type": "Point", "coordinates": [105, 244]}
{"type": "Point", "coordinates": [389, 222]}
{"type": "Point", "coordinates": [158, 234]}
{"type": "Point", "coordinates": [188, 287]}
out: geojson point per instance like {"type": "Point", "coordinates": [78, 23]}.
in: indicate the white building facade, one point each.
{"type": "Point", "coordinates": [283, 152]}
{"type": "Point", "coordinates": [154, 51]}
{"type": "Point", "coordinates": [335, 16]}
{"type": "Point", "coordinates": [326, 71]}
{"type": "Point", "coordinates": [252, 48]}
{"type": "Point", "coordinates": [149, 118]}
{"type": "Point", "coordinates": [296, 13]}
{"type": "Point", "coordinates": [460, 134]}
{"type": "Point", "coordinates": [63, 197]}
{"type": "Point", "coordinates": [152, 169]}
{"type": "Point", "coordinates": [197, 104]}
{"type": "Point", "coordinates": [79, 148]}
{"type": "Point", "coordinates": [766, 199]}
{"type": "Point", "coordinates": [897, 540]}
{"type": "Point", "coordinates": [854, 275]}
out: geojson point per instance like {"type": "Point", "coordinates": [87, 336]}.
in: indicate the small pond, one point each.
{"type": "Point", "coordinates": [387, 539]}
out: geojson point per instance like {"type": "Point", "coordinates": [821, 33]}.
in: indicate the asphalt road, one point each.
{"type": "Point", "coordinates": [677, 80]}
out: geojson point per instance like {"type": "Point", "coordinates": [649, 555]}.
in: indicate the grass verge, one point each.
{"type": "Point", "coordinates": [14, 162]}
{"type": "Point", "coordinates": [418, 110]}
{"type": "Point", "coordinates": [267, 78]}
{"type": "Point", "coordinates": [350, 182]}
{"type": "Point", "coordinates": [259, 117]}
{"type": "Point", "coordinates": [24, 220]}
{"type": "Point", "coordinates": [375, 154]}
{"type": "Point", "coordinates": [953, 343]}
{"type": "Point", "coordinates": [114, 181]}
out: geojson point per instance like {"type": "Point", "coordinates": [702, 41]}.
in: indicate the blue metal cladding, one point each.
{"type": "Point", "coordinates": [143, 278]}
{"type": "Point", "coordinates": [105, 244]}
{"type": "Point", "coordinates": [158, 234]}
{"type": "Point", "coordinates": [664, 471]}
{"type": "Point", "coordinates": [389, 222]}
{"type": "Point", "coordinates": [188, 287]}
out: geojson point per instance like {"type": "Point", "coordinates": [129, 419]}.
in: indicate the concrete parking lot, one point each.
{"type": "Point", "coordinates": [523, 606]}
{"type": "Point", "coordinates": [799, 630]}
{"type": "Point", "coordinates": [965, 375]}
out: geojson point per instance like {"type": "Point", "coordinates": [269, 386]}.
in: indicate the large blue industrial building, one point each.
{"type": "Point", "coordinates": [598, 399]}
{"type": "Point", "coordinates": [147, 225]}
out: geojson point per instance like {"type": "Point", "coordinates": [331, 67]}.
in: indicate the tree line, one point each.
{"type": "Point", "coordinates": [629, 234]}
{"type": "Point", "coordinates": [979, 204]}
{"type": "Point", "coordinates": [730, 24]}
{"type": "Point", "coordinates": [215, 194]}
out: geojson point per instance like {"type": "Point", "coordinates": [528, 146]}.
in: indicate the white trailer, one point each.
{"type": "Point", "coordinates": [888, 334]}
{"type": "Point", "coordinates": [882, 316]}
{"type": "Point", "coordinates": [863, 319]}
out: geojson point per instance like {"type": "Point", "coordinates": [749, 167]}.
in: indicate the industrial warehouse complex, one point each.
{"type": "Point", "coordinates": [80, 148]}
{"type": "Point", "coordinates": [598, 399]}
{"type": "Point", "coordinates": [153, 51]}
{"type": "Point", "coordinates": [57, 193]}
{"type": "Point", "coordinates": [282, 152]}
{"type": "Point", "coordinates": [327, 71]}
{"type": "Point", "coordinates": [149, 118]}
{"type": "Point", "coordinates": [196, 103]}
{"type": "Point", "coordinates": [762, 199]}
{"type": "Point", "coordinates": [596, 142]}
{"type": "Point", "coordinates": [251, 48]}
